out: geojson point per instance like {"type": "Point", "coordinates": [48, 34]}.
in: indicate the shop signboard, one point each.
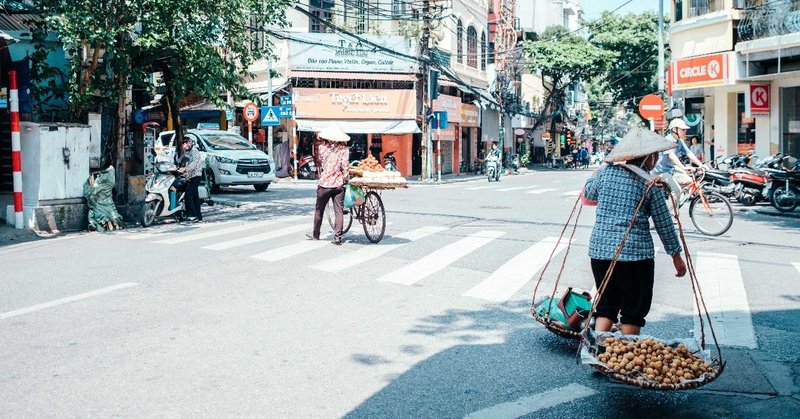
{"type": "Point", "coordinates": [451, 105]}
{"type": "Point", "coordinates": [470, 115]}
{"type": "Point", "coordinates": [334, 52]}
{"type": "Point", "coordinates": [703, 71]}
{"type": "Point", "coordinates": [313, 103]}
{"type": "Point", "coordinates": [757, 100]}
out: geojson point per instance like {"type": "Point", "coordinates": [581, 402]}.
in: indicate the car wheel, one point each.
{"type": "Point", "coordinates": [213, 182]}
{"type": "Point", "coordinates": [261, 187]}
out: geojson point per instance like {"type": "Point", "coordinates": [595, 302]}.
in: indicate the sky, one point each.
{"type": "Point", "coordinates": [593, 8]}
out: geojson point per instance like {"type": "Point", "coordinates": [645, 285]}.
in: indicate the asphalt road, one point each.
{"type": "Point", "coordinates": [241, 316]}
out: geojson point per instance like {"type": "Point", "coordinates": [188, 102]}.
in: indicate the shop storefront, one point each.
{"type": "Point", "coordinates": [470, 121]}
{"type": "Point", "coordinates": [451, 137]}
{"type": "Point", "coordinates": [789, 141]}
{"type": "Point", "coordinates": [378, 121]}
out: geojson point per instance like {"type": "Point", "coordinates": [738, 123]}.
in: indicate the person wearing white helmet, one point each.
{"type": "Point", "coordinates": [669, 160]}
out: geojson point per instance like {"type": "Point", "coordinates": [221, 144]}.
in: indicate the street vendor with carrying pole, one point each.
{"type": "Point", "coordinates": [618, 189]}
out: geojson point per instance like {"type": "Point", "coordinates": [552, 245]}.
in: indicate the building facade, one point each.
{"type": "Point", "coordinates": [358, 66]}
{"type": "Point", "coordinates": [735, 64]}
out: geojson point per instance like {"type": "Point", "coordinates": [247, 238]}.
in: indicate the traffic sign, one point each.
{"type": "Point", "coordinates": [270, 116]}
{"type": "Point", "coordinates": [250, 112]}
{"type": "Point", "coordinates": [286, 100]}
{"type": "Point", "coordinates": [439, 120]}
{"type": "Point", "coordinates": [286, 111]}
{"type": "Point", "coordinates": [651, 106]}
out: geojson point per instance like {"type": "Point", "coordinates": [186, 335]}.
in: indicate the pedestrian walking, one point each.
{"type": "Point", "coordinates": [711, 151]}
{"type": "Point", "coordinates": [618, 189]}
{"type": "Point", "coordinates": [193, 173]}
{"type": "Point", "coordinates": [696, 147]}
{"type": "Point", "coordinates": [333, 154]}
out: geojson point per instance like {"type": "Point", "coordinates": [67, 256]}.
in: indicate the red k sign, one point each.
{"type": "Point", "coordinates": [757, 100]}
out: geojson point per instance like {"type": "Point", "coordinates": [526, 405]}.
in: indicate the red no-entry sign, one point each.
{"type": "Point", "coordinates": [651, 106]}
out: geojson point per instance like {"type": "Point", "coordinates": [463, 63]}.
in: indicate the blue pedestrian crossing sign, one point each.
{"type": "Point", "coordinates": [270, 116]}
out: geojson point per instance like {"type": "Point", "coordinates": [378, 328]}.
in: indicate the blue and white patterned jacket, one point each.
{"type": "Point", "coordinates": [618, 191]}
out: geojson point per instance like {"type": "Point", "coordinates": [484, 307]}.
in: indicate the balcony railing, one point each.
{"type": "Point", "coordinates": [763, 19]}
{"type": "Point", "coordinates": [701, 7]}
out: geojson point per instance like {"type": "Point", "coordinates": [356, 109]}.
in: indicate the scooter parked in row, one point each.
{"type": "Point", "coordinates": [783, 188]}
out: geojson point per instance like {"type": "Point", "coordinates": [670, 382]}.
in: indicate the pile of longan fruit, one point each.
{"type": "Point", "coordinates": [648, 359]}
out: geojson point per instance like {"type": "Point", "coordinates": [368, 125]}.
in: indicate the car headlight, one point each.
{"type": "Point", "coordinates": [225, 160]}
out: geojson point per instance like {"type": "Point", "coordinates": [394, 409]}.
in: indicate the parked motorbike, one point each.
{"type": "Point", "coordinates": [718, 181]}
{"type": "Point", "coordinates": [306, 168]}
{"type": "Point", "coordinates": [783, 189]}
{"type": "Point", "coordinates": [389, 162]}
{"type": "Point", "coordinates": [156, 204]}
{"type": "Point", "coordinates": [492, 170]}
{"type": "Point", "coordinates": [749, 182]}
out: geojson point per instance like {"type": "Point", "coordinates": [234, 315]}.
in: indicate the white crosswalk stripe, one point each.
{"type": "Point", "coordinates": [515, 188]}
{"type": "Point", "coordinates": [540, 191]}
{"type": "Point", "coordinates": [475, 188]}
{"type": "Point", "coordinates": [368, 253]}
{"type": "Point", "coordinates": [248, 226]}
{"type": "Point", "coordinates": [503, 283]}
{"type": "Point", "coordinates": [527, 405]}
{"type": "Point", "coordinates": [723, 290]}
{"type": "Point", "coordinates": [257, 237]}
{"type": "Point", "coordinates": [572, 193]}
{"type": "Point", "coordinates": [440, 259]}
{"type": "Point", "coordinates": [796, 266]}
{"type": "Point", "coordinates": [291, 250]}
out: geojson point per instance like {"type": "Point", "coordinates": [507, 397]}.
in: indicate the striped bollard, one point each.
{"type": "Point", "coordinates": [16, 157]}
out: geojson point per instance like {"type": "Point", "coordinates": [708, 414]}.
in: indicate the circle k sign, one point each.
{"type": "Point", "coordinates": [757, 100]}
{"type": "Point", "coordinates": [708, 70]}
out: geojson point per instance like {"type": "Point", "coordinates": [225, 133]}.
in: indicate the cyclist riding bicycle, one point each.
{"type": "Point", "coordinates": [669, 160]}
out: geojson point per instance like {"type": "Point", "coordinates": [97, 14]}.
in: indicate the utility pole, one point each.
{"type": "Point", "coordinates": [660, 46]}
{"type": "Point", "coordinates": [269, 103]}
{"type": "Point", "coordinates": [424, 54]}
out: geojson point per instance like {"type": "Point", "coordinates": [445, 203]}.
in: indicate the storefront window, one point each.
{"type": "Point", "coordinates": [790, 121]}
{"type": "Point", "coordinates": [745, 129]}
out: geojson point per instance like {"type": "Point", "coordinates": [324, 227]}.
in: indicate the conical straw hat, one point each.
{"type": "Point", "coordinates": [334, 133]}
{"type": "Point", "coordinates": [639, 142]}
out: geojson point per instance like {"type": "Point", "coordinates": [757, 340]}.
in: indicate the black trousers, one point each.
{"type": "Point", "coordinates": [192, 198]}
{"type": "Point", "coordinates": [323, 196]}
{"type": "Point", "coordinates": [629, 292]}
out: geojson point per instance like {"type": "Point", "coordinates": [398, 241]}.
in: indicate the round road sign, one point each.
{"type": "Point", "coordinates": [651, 106]}
{"type": "Point", "coordinates": [250, 112]}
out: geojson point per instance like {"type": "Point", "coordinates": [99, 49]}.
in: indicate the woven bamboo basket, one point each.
{"type": "Point", "coordinates": [639, 379]}
{"type": "Point", "coordinates": [378, 185]}
{"type": "Point", "coordinates": [556, 328]}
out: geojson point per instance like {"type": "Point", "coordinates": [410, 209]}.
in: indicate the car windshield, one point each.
{"type": "Point", "coordinates": [227, 142]}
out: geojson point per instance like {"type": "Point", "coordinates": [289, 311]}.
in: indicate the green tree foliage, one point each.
{"type": "Point", "coordinates": [635, 38]}
{"type": "Point", "coordinates": [564, 58]}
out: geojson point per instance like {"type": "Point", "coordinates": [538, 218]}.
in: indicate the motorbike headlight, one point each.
{"type": "Point", "coordinates": [225, 160]}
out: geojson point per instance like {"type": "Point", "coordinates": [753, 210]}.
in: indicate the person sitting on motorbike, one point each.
{"type": "Point", "coordinates": [179, 159]}
{"type": "Point", "coordinates": [670, 160]}
{"type": "Point", "coordinates": [495, 154]}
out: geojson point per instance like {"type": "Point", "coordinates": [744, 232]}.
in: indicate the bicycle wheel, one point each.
{"type": "Point", "coordinates": [347, 221]}
{"type": "Point", "coordinates": [711, 213]}
{"type": "Point", "coordinates": [374, 220]}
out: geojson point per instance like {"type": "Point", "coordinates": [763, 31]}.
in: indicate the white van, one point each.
{"type": "Point", "coordinates": [232, 159]}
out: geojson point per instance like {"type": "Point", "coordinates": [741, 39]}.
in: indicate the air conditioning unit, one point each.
{"type": "Point", "coordinates": [87, 52]}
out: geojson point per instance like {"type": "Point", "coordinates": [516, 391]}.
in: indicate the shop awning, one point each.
{"type": "Point", "coordinates": [361, 127]}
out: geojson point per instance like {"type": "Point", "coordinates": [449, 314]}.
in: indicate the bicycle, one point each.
{"type": "Point", "coordinates": [710, 212]}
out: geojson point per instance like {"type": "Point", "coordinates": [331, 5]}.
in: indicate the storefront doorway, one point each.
{"type": "Point", "coordinates": [790, 121]}
{"type": "Point", "coordinates": [745, 129]}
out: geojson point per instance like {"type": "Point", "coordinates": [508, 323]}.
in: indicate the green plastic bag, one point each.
{"type": "Point", "coordinates": [353, 195]}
